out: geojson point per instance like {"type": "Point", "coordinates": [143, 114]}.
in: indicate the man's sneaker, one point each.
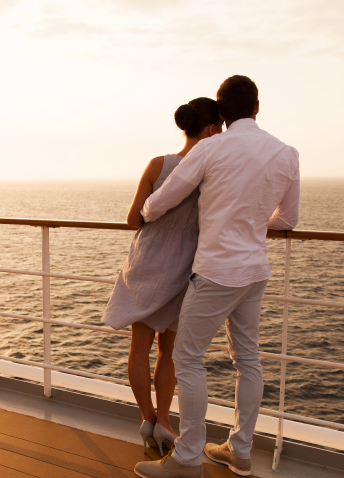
{"type": "Point", "coordinates": [167, 468]}
{"type": "Point", "coordinates": [221, 454]}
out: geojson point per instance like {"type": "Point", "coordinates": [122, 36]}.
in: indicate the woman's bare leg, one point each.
{"type": "Point", "coordinates": [139, 369]}
{"type": "Point", "coordinates": [164, 377]}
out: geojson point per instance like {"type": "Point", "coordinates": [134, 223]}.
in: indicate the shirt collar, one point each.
{"type": "Point", "coordinates": [243, 122]}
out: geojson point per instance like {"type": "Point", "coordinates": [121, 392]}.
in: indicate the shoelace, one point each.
{"type": "Point", "coordinates": [168, 454]}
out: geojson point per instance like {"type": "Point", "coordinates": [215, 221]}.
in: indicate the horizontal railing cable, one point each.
{"type": "Point", "coordinates": [65, 370]}
{"type": "Point", "coordinates": [287, 358]}
{"type": "Point", "coordinates": [97, 328]}
{"type": "Point", "coordinates": [275, 413]}
{"type": "Point", "coordinates": [298, 300]}
{"type": "Point", "coordinates": [60, 276]}
{"type": "Point", "coordinates": [268, 355]}
{"type": "Point", "coordinates": [267, 297]}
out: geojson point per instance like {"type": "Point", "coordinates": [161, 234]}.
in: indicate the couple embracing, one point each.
{"type": "Point", "coordinates": [199, 260]}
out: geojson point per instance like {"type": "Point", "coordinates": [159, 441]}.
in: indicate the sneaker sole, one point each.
{"type": "Point", "coordinates": [231, 467]}
{"type": "Point", "coordinates": [140, 474]}
{"type": "Point", "coordinates": [146, 476]}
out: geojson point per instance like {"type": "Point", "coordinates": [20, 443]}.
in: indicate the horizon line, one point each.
{"type": "Point", "coordinates": [116, 179]}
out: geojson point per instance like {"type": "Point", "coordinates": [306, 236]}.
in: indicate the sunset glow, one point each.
{"type": "Point", "coordinates": [89, 87]}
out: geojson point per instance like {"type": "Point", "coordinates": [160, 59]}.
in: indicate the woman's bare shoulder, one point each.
{"type": "Point", "coordinates": [154, 168]}
{"type": "Point", "coordinates": [157, 162]}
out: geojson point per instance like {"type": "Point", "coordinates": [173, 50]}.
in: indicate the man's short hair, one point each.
{"type": "Point", "coordinates": [237, 97]}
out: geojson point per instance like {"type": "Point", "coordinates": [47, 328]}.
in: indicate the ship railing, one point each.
{"type": "Point", "coordinates": [289, 425]}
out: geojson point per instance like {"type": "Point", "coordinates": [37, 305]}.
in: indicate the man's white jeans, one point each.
{"type": "Point", "coordinates": [206, 306]}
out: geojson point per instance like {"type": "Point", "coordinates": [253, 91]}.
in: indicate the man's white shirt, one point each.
{"type": "Point", "coordinates": [248, 181]}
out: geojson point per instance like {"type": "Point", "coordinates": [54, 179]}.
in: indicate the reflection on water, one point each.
{"type": "Point", "coordinates": [316, 271]}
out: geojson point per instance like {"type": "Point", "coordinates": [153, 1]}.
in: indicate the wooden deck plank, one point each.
{"type": "Point", "coordinates": [44, 449]}
{"type": "Point", "coordinates": [82, 443]}
{"type": "Point", "coordinates": [10, 473]}
{"type": "Point", "coordinates": [35, 467]}
{"type": "Point", "coordinates": [59, 458]}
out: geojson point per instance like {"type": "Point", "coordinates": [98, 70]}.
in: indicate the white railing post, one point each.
{"type": "Point", "coordinates": [46, 309]}
{"type": "Point", "coordinates": [279, 437]}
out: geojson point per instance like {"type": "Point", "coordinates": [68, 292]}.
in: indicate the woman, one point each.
{"type": "Point", "coordinates": [152, 283]}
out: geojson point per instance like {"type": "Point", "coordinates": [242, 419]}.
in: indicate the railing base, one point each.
{"type": "Point", "coordinates": [277, 451]}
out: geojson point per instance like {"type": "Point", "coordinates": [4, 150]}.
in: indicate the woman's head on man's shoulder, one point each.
{"type": "Point", "coordinates": [199, 118]}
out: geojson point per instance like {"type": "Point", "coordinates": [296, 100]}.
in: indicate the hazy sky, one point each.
{"type": "Point", "coordinates": [88, 88]}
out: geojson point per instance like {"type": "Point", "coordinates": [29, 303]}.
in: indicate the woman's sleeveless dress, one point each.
{"type": "Point", "coordinates": [152, 283]}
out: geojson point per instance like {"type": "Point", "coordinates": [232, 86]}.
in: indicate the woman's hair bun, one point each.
{"type": "Point", "coordinates": [185, 117]}
{"type": "Point", "coordinates": [196, 115]}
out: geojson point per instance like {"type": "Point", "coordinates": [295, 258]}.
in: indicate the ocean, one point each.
{"type": "Point", "coordinates": [316, 272]}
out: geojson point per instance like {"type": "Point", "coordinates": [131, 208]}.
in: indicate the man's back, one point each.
{"type": "Point", "coordinates": [247, 173]}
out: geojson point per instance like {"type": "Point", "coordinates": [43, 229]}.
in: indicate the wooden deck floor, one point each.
{"type": "Point", "coordinates": [40, 448]}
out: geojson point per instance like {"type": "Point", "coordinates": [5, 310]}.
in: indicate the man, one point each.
{"type": "Point", "coordinates": [248, 181]}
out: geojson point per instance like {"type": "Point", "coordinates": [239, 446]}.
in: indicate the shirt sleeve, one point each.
{"type": "Point", "coordinates": [286, 215]}
{"type": "Point", "coordinates": [179, 184]}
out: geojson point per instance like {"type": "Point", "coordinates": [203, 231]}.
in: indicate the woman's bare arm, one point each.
{"type": "Point", "coordinates": [144, 190]}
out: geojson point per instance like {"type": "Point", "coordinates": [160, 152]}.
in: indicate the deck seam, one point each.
{"type": "Point", "coordinates": [51, 464]}
{"type": "Point", "coordinates": [59, 449]}
{"type": "Point", "coordinates": [14, 469]}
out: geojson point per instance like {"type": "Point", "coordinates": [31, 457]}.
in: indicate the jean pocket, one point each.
{"type": "Point", "coordinates": [194, 279]}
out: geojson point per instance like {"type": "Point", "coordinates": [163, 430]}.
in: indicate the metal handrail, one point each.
{"type": "Point", "coordinates": [271, 234]}
{"type": "Point", "coordinates": [45, 224]}
{"type": "Point", "coordinates": [58, 223]}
